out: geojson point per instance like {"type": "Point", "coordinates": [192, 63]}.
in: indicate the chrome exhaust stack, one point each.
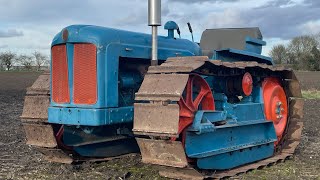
{"type": "Point", "coordinates": [154, 20]}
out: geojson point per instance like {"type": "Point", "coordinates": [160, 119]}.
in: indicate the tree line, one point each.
{"type": "Point", "coordinates": [301, 53]}
{"type": "Point", "coordinates": [36, 59]}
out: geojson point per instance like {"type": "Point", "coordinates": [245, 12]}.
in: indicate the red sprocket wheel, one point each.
{"type": "Point", "coordinates": [275, 105]}
{"type": "Point", "coordinates": [247, 84]}
{"type": "Point", "coordinates": [197, 96]}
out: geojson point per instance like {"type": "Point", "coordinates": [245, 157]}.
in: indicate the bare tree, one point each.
{"type": "Point", "coordinates": [314, 61]}
{"type": "Point", "coordinates": [279, 54]}
{"type": "Point", "coordinates": [7, 59]}
{"type": "Point", "coordinates": [299, 50]}
{"type": "Point", "coordinates": [40, 59]}
{"type": "Point", "coordinates": [26, 61]}
{"type": "Point", "coordinates": [317, 37]}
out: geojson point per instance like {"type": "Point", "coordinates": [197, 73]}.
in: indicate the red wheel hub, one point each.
{"type": "Point", "coordinates": [197, 95]}
{"type": "Point", "coordinates": [275, 105]}
{"type": "Point", "coordinates": [247, 84]}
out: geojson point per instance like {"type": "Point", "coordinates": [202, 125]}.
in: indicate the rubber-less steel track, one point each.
{"type": "Point", "coordinates": [157, 113]}
{"type": "Point", "coordinates": [40, 134]}
{"type": "Point", "coordinates": [171, 76]}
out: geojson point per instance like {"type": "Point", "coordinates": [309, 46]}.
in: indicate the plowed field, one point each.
{"type": "Point", "coordinates": [19, 161]}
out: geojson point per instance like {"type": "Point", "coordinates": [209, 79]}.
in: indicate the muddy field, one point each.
{"type": "Point", "coordinates": [309, 80]}
{"type": "Point", "coordinates": [19, 161]}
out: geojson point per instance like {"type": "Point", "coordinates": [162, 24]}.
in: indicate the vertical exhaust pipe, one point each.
{"type": "Point", "coordinates": [154, 20]}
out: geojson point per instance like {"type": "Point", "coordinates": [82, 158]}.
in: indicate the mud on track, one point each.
{"type": "Point", "coordinates": [19, 161]}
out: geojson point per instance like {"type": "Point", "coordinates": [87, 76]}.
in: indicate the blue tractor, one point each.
{"type": "Point", "coordinates": [214, 105]}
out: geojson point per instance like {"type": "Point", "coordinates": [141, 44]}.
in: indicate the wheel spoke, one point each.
{"type": "Point", "coordinates": [183, 123]}
{"type": "Point", "coordinates": [189, 93]}
{"type": "Point", "coordinates": [185, 110]}
{"type": "Point", "coordinates": [199, 98]}
{"type": "Point", "coordinates": [188, 107]}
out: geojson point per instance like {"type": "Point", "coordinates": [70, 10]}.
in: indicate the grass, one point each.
{"type": "Point", "coordinates": [290, 169]}
{"type": "Point", "coordinates": [311, 94]}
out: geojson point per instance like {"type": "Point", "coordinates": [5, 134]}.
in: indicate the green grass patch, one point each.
{"type": "Point", "coordinates": [311, 94]}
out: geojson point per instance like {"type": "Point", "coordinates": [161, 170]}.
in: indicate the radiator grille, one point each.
{"type": "Point", "coordinates": [85, 74]}
{"type": "Point", "coordinates": [60, 86]}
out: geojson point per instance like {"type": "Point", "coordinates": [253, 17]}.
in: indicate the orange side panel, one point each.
{"type": "Point", "coordinates": [85, 74]}
{"type": "Point", "coordinates": [60, 85]}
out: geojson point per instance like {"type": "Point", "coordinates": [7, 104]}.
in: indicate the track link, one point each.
{"type": "Point", "coordinates": [157, 113]}
{"type": "Point", "coordinates": [41, 134]}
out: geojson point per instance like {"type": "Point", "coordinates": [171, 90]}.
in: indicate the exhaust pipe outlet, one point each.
{"type": "Point", "coordinates": [154, 20]}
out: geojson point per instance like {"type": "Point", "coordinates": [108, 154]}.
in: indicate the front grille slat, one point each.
{"type": "Point", "coordinates": [60, 85]}
{"type": "Point", "coordinates": [85, 74]}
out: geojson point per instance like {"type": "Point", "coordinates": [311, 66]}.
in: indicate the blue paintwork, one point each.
{"type": "Point", "coordinates": [236, 158]}
{"type": "Point", "coordinates": [90, 117]}
{"type": "Point", "coordinates": [171, 26]}
{"type": "Point", "coordinates": [234, 134]}
{"type": "Point", "coordinates": [254, 45]}
{"type": "Point", "coordinates": [229, 137]}
{"type": "Point", "coordinates": [252, 52]}
{"type": "Point", "coordinates": [234, 55]}
{"type": "Point", "coordinates": [111, 44]}
{"type": "Point", "coordinates": [204, 120]}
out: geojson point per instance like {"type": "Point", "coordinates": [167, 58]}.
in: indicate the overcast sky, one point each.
{"type": "Point", "coordinates": [28, 25]}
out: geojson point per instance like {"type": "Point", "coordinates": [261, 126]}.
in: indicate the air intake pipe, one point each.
{"type": "Point", "coordinates": [154, 20]}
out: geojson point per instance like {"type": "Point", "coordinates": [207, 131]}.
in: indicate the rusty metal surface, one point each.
{"type": "Point", "coordinates": [151, 149]}
{"type": "Point", "coordinates": [162, 152]}
{"type": "Point", "coordinates": [41, 85]}
{"type": "Point", "coordinates": [40, 135]}
{"type": "Point", "coordinates": [162, 87]}
{"type": "Point", "coordinates": [55, 155]}
{"type": "Point", "coordinates": [99, 159]}
{"type": "Point", "coordinates": [169, 69]}
{"type": "Point", "coordinates": [296, 107]}
{"type": "Point", "coordinates": [36, 107]}
{"type": "Point", "coordinates": [177, 60]}
{"type": "Point", "coordinates": [156, 118]}
{"type": "Point", "coordinates": [34, 117]}
{"type": "Point", "coordinates": [179, 64]}
{"type": "Point", "coordinates": [292, 87]}
{"type": "Point", "coordinates": [246, 65]}
{"type": "Point", "coordinates": [180, 173]}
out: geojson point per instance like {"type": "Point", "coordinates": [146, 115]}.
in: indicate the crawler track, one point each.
{"type": "Point", "coordinates": [165, 83]}
{"type": "Point", "coordinates": [43, 135]}
{"type": "Point", "coordinates": [39, 132]}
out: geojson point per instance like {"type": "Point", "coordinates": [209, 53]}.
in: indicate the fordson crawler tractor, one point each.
{"type": "Point", "coordinates": [213, 109]}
